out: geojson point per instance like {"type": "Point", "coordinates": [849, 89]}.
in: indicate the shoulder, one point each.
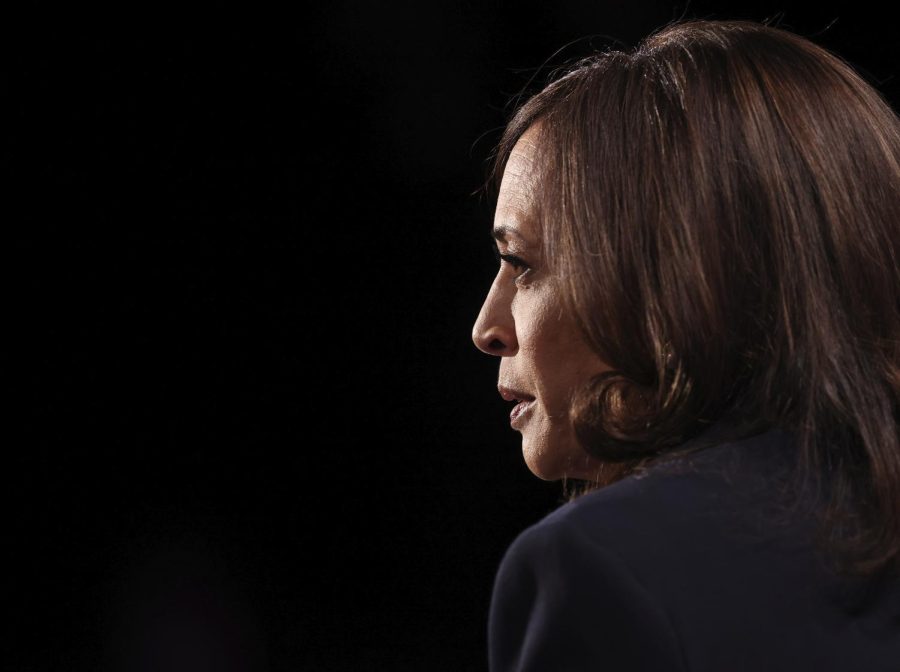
{"type": "Point", "coordinates": [718, 495]}
{"type": "Point", "coordinates": [562, 601]}
{"type": "Point", "coordinates": [674, 519]}
{"type": "Point", "coordinates": [681, 568]}
{"type": "Point", "coordinates": [612, 575]}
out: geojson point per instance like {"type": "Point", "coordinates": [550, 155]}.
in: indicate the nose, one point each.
{"type": "Point", "coordinates": [494, 331]}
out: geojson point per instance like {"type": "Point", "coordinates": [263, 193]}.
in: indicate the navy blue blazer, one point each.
{"type": "Point", "coordinates": [678, 570]}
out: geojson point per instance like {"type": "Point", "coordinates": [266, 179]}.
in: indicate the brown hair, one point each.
{"type": "Point", "coordinates": [721, 207]}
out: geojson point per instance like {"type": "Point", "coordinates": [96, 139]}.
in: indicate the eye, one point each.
{"type": "Point", "coordinates": [514, 261]}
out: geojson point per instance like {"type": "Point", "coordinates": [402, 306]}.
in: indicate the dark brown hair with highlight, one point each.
{"type": "Point", "coordinates": [721, 205]}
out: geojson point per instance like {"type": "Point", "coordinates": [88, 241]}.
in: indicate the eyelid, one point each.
{"type": "Point", "coordinates": [514, 261]}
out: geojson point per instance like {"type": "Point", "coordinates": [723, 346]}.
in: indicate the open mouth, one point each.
{"type": "Point", "coordinates": [520, 409]}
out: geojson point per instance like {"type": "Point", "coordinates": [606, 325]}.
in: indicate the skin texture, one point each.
{"type": "Point", "coordinates": [541, 352]}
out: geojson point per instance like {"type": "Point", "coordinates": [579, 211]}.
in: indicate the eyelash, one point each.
{"type": "Point", "coordinates": [512, 260]}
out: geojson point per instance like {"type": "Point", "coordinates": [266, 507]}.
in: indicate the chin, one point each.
{"type": "Point", "coordinates": [545, 475]}
{"type": "Point", "coordinates": [554, 464]}
{"type": "Point", "coordinates": [542, 467]}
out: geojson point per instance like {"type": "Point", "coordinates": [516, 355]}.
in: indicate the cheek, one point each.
{"type": "Point", "coordinates": [539, 348]}
{"type": "Point", "coordinates": [562, 363]}
{"type": "Point", "coordinates": [553, 367]}
{"type": "Point", "coordinates": [557, 380]}
{"type": "Point", "coordinates": [535, 328]}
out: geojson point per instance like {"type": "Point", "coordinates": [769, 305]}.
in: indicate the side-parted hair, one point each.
{"type": "Point", "coordinates": [721, 207]}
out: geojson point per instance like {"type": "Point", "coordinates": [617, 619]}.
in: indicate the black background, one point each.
{"type": "Point", "coordinates": [249, 428]}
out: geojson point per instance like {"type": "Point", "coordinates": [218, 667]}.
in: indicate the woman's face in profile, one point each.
{"type": "Point", "coordinates": [542, 356]}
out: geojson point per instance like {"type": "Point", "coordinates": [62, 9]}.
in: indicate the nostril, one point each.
{"type": "Point", "coordinates": [494, 341]}
{"type": "Point", "coordinates": [497, 344]}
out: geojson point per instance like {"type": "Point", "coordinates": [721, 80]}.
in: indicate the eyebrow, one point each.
{"type": "Point", "coordinates": [501, 231]}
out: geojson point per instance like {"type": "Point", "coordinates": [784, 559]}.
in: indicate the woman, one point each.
{"type": "Point", "coordinates": [696, 313]}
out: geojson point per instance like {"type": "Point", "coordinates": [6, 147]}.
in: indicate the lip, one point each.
{"type": "Point", "coordinates": [511, 394]}
{"type": "Point", "coordinates": [520, 412]}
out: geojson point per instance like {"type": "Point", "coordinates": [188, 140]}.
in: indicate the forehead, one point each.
{"type": "Point", "coordinates": [515, 201]}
